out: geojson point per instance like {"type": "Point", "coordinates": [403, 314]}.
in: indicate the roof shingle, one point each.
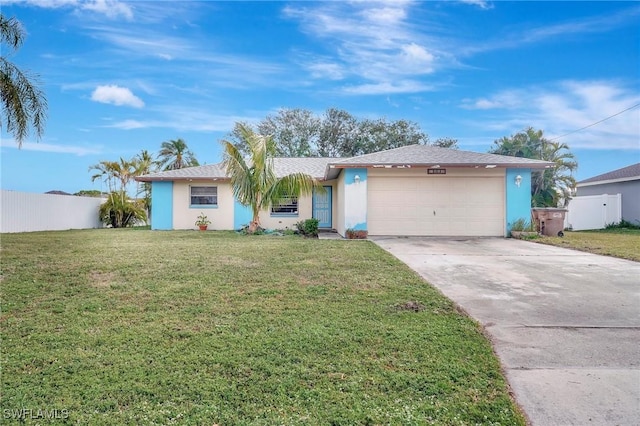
{"type": "Point", "coordinates": [312, 166]}
{"type": "Point", "coordinates": [319, 168]}
{"type": "Point", "coordinates": [431, 155]}
{"type": "Point", "coordinates": [631, 172]}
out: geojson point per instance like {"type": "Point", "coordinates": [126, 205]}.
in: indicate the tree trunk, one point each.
{"type": "Point", "coordinates": [254, 224]}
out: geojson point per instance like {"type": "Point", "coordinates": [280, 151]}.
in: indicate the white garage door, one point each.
{"type": "Point", "coordinates": [438, 206]}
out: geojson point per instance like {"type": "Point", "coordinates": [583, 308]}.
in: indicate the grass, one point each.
{"type": "Point", "coordinates": [617, 242]}
{"type": "Point", "coordinates": [143, 327]}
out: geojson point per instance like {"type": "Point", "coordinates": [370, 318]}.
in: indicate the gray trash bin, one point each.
{"type": "Point", "coordinates": [549, 221]}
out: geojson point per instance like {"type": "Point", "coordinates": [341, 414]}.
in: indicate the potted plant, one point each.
{"type": "Point", "coordinates": [202, 222]}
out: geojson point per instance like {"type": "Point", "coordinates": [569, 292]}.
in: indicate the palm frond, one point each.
{"type": "Point", "coordinates": [23, 103]}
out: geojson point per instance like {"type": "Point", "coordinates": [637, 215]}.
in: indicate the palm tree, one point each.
{"type": "Point", "coordinates": [254, 180]}
{"type": "Point", "coordinates": [119, 210]}
{"type": "Point", "coordinates": [144, 164]}
{"type": "Point", "coordinates": [174, 154]}
{"type": "Point", "coordinates": [114, 173]}
{"type": "Point", "coordinates": [23, 103]}
{"type": "Point", "coordinates": [550, 185]}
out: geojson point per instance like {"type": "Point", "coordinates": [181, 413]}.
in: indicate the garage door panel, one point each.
{"type": "Point", "coordinates": [462, 206]}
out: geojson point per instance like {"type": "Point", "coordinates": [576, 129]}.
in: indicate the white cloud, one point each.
{"type": "Point", "coordinates": [406, 86]}
{"type": "Point", "coordinates": [482, 4]}
{"type": "Point", "coordinates": [190, 119]}
{"type": "Point", "coordinates": [110, 8]}
{"type": "Point", "coordinates": [417, 58]}
{"type": "Point", "coordinates": [332, 71]}
{"type": "Point", "coordinates": [372, 41]}
{"type": "Point", "coordinates": [564, 107]}
{"type": "Point", "coordinates": [116, 95]}
{"type": "Point", "coordinates": [554, 32]}
{"type": "Point", "coordinates": [504, 99]}
{"type": "Point", "coordinates": [132, 124]}
{"type": "Point", "coordinates": [386, 15]}
{"type": "Point", "coordinates": [47, 4]}
{"type": "Point", "coordinates": [54, 148]}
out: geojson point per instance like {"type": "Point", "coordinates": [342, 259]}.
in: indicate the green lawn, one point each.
{"type": "Point", "coordinates": [151, 327]}
{"type": "Point", "coordinates": [616, 242]}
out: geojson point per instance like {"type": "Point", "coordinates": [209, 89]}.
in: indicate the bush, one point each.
{"type": "Point", "coordinates": [119, 211]}
{"type": "Point", "coordinates": [353, 234]}
{"type": "Point", "coordinates": [522, 225]}
{"type": "Point", "coordinates": [308, 228]}
{"type": "Point", "coordinates": [623, 224]}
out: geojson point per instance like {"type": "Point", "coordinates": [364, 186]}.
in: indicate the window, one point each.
{"type": "Point", "coordinates": [204, 196]}
{"type": "Point", "coordinates": [287, 207]}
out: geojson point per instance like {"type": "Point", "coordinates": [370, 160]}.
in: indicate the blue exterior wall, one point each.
{"type": "Point", "coordinates": [355, 199]}
{"type": "Point", "coordinates": [242, 215]}
{"type": "Point", "coordinates": [162, 205]}
{"type": "Point", "coordinates": [518, 198]}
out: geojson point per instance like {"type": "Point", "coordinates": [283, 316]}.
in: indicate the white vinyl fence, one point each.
{"type": "Point", "coordinates": [594, 211]}
{"type": "Point", "coordinates": [27, 212]}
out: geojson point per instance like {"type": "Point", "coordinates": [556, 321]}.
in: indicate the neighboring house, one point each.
{"type": "Point", "coordinates": [412, 190]}
{"type": "Point", "coordinates": [624, 181]}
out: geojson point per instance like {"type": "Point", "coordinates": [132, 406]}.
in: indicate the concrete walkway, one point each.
{"type": "Point", "coordinates": [565, 324]}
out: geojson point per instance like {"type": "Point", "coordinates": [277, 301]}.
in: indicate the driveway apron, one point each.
{"type": "Point", "coordinates": [565, 324]}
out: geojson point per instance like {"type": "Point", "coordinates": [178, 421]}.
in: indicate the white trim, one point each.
{"type": "Point", "coordinates": [604, 182]}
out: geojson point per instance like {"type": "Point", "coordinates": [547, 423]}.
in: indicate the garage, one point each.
{"type": "Point", "coordinates": [456, 202]}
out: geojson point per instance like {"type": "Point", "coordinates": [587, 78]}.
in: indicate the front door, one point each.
{"type": "Point", "coordinates": [322, 207]}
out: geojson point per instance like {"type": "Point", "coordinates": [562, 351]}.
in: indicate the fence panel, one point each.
{"type": "Point", "coordinates": [28, 212]}
{"type": "Point", "coordinates": [594, 211]}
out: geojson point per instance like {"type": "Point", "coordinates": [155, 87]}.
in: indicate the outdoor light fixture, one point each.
{"type": "Point", "coordinates": [356, 178]}
{"type": "Point", "coordinates": [518, 180]}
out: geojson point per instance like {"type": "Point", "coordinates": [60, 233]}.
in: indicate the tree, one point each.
{"type": "Point", "coordinates": [23, 103]}
{"type": "Point", "coordinates": [298, 133]}
{"type": "Point", "coordinates": [446, 143]}
{"type": "Point", "coordinates": [548, 186]}
{"type": "Point", "coordinates": [174, 154]}
{"type": "Point", "coordinates": [89, 193]}
{"type": "Point", "coordinates": [116, 174]}
{"type": "Point", "coordinates": [338, 132]}
{"type": "Point", "coordinates": [119, 210]}
{"type": "Point", "coordinates": [295, 131]}
{"type": "Point", "coordinates": [379, 135]}
{"type": "Point", "coordinates": [143, 164]}
{"type": "Point", "coordinates": [236, 138]}
{"type": "Point", "coordinates": [254, 181]}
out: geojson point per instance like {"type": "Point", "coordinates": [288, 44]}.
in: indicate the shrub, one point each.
{"type": "Point", "coordinates": [522, 225]}
{"type": "Point", "coordinates": [354, 234]}
{"type": "Point", "coordinates": [119, 211]}
{"type": "Point", "coordinates": [308, 228]}
{"type": "Point", "coordinates": [623, 224]}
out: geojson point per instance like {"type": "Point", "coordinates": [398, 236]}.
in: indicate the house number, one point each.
{"type": "Point", "coordinates": [436, 171]}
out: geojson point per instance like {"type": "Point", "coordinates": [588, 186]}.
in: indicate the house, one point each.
{"type": "Point", "coordinates": [412, 190]}
{"type": "Point", "coordinates": [624, 181]}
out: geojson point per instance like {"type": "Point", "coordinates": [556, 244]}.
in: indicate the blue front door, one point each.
{"type": "Point", "coordinates": [322, 207]}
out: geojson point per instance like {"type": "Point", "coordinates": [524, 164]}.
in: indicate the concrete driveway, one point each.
{"type": "Point", "coordinates": [565, 324]}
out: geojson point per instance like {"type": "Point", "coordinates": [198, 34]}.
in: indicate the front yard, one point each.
{"type": "Point", "coordinates": [617, 242]}
{"type": "Point", "coordinates": [143, 327]}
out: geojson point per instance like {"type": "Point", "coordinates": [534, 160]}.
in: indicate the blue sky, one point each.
{"type": "Point", "coordinates": [125, 76]}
